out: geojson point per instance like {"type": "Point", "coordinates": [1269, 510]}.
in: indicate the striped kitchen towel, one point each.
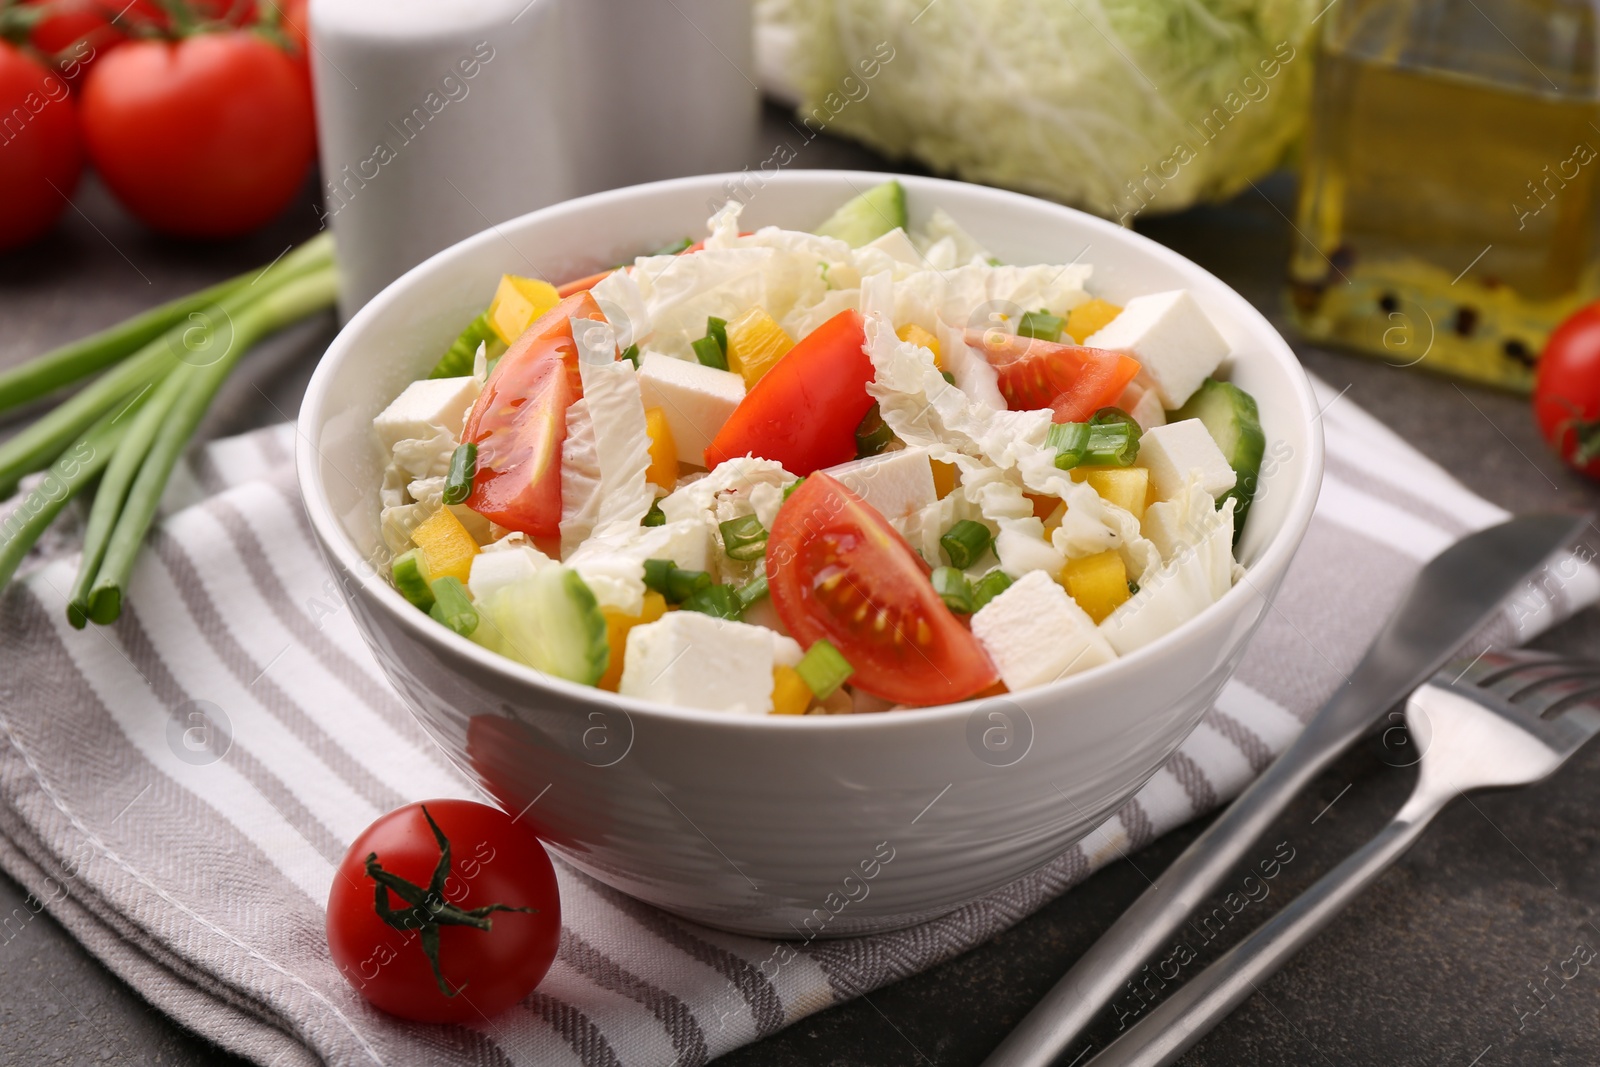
{"type": "Point", "coordinates": [203, 883]}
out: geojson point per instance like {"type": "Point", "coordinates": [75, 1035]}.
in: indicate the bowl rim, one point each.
{"type": "Point", "coordinates": [1274, 557]}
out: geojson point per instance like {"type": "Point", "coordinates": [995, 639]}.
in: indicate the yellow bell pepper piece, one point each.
{"type": "Point", "coordinates": [1098, 583]}
{"type": "Point", "coordinates": [914, 334]}
{"type": "Point", "coordinates": [755, 343]}
{"type": "Point", "coordinates": [790, 694]}
{"type": "Point", "coordinates": [517, 303]}
{"type": "Point", "coordinates": [945, 478]}
{"type": "Point", "coordinates": [1090, 316]}
{"type": "Point", "coordinates": [663, 451]}
{"type": "Point", "coordinates": [617, 627]}
{"type": "Point", "coordinates": [447, 544]}
{"type": "Point", "coordinates": [1126, 487]}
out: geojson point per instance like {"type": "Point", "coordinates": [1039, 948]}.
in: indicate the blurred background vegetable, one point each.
{"type": "Point", "coordinates": [1114, 106]}
{"type": "Point", "coordinates": [208, 136]}
{"type": "Point", "coordinates": [41, 150]}
{"type": "Point", "coordinates": [197, 114]}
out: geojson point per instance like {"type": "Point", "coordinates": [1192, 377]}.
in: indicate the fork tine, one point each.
{"type": "Point", "coordinates": [1551, 696]}
{"type": "Point", "coordinates": [1585, 716]}
{"type": "Point", "coordinates": [1492, 666]}
{"type": "Point", "coordinates": [1532, 685]}
{"type": "Point", "coordinates": [1522, 676]}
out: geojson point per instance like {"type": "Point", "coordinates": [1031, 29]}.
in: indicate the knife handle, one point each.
{"type": "Point", "coordinates": [1150, 925]}
{"type": "Point", "coordinates": [1184, 1018]}
{"type": "Point", "coordinates": [1452, 596]}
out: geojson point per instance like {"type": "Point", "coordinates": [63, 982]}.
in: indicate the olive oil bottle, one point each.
{"type": "Point", "coordinates": [1448, 201]}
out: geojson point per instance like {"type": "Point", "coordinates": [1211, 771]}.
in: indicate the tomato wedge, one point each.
{"type": "Point", "coordinates": [1072, 380]}
{"type": "Point", "coordinates": [520, 422]}
{"type": "Point", "coordinates": [582, 285]}
{"type": "Point", "coordinates": [805, 410]}
{"type": "Point", "coordinates": [838, 570]}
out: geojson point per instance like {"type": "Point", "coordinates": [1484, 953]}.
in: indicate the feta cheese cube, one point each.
{"type": "Point", "coordinates": [495, 568]}
{"type": "Point", "coordinates": [698, 661]}
{"type": "Point", "coordinates": [427, 407]}
{"type": "Point", "coordinates": [1171, 337]}
{"type": "Point", "coordinates": [695, 399]}
{"type": "Point", "coordinates": [1180, 450]}
{"type": "Point", "coordinates": [1036, 634]}
{"type": "Point", "coordinates": [895, 483]}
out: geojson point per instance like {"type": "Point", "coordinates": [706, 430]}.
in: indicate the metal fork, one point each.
{"type": "Point", "coordinates": [1505, 719]}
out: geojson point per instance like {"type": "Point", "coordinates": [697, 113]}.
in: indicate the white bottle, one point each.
{"type": "Point", "coordinates": [441, 118]}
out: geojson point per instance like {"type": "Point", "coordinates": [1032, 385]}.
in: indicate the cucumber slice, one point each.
{"type": "Point", "coordinates": [1230, 414]}
{"type": "Point", "coordinates": [452, 606]}
{"type": "Point", "coordinates": [411, 578]}
{"type": "Point", "coordinates": [867, 216]}
{"type": "Point", "coordinates": [550, 621]}
{"type": "Point", "coordinates": [457, 360]}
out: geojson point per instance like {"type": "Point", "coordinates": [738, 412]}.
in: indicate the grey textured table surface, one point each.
{"type": "Point", "coordinates": [1431, 967]}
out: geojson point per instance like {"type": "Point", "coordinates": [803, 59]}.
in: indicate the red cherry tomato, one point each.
{"type": "Point", "coordinates": [77, 33]}
{"type": "Point", "coordinates": [804, 412]}
{"type": "Point", "coordinates": [1566, 391]}
{"type": "Point", "coordinates": [209, 136]}
{"type": "Point", "coordinates": [520, 422]}
{"type": "Point", "coordinates": [838, 570]}
{"type": "Point", "coordinates": [492, 959]}
{"type": "Point", "coordinates": [41, 154]}
{"type": "Point", "coordinates": [1072, 380]}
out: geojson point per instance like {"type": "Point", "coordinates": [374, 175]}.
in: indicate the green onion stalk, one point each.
{"type": "Point", "coordinates": [290, 302]}
{"type": "Point", "coordinates": [36, 446]}
{"type": "Point", "coordinates": [68, 475]}
{"type": "Point", "coordinates": [157, 374]}
{"type": "Point", "coordinates": [79, 359]}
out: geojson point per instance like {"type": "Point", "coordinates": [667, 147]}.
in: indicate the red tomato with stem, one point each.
{"type": "Point", "coordinates": [1566, 391]}
{"type": "Point", "coordinates": [76, 33]}
{"type": "Point", "coordinates": [803, 412]}
{"type": "Point", "coordinates": [41, 154]}
{"type": "Point", "coordinates": [1071, 380]}
{"type": "Point", "coordinates": [444, 911]}
{"type": "Point", "coordinates": [209, 136]}
{"type": "Point", "coordinates": [520, 422]}
{"type": "Point", "coordinates": [838, 570]}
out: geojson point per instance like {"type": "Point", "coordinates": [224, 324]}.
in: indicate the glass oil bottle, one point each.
{"type": "Point", "coordinates": [1448, 203]}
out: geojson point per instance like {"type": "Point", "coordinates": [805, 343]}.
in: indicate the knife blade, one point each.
{"type": "Point", "coordinates": [1453, 595]}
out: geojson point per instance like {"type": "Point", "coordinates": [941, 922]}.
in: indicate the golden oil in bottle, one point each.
{"type": "Point", "coordinates": [1447, 215]}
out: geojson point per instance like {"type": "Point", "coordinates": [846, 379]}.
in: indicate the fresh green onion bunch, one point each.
{"type": "Point", "coordinates": [146, 385]}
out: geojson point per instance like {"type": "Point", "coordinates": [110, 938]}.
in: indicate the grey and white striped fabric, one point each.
{"type": "Point", "coordinates": [203, 883]}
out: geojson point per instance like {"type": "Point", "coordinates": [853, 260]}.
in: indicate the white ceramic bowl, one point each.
{"type": "Point", "coordinates": [777, 825]}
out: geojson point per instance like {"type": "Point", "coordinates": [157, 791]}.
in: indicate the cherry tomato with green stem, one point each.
{"type": "Point", "coordinates": [444, 911]}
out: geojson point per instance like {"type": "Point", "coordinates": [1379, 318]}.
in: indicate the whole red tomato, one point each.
{"type": "Point", "coordinates": [1566, 392]}
{"type": "Point", "coordinates": [41, 154]}
{"type": "Point", "coordinates": [474, 876]}
{"type": "Point", "coordinates": [209, 136]}
{"type": "Point", "coordinates": [76, 33]}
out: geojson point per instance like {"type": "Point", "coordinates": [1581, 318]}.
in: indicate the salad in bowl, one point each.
{"type": "Point", "coordinates": [860, 469]}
